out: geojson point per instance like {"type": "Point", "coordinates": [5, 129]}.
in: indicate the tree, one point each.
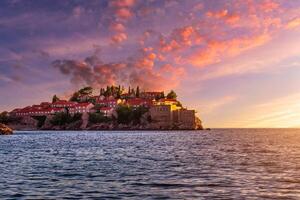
{"type": "Point", "coordinates": [55, 99]}
{"type": "Point", "coordinates": [172, 95]}
{"type": "Point", "coordinates": [132, 91]}
{"type": "Point", "coordinates": [137, 94]}
{"type": "Point", "coordinates": [95, 118]}
{"type": "Point", "coordinates": [62, 118]}
{"type": "Point", "coordinates": [102, 91]}
{"type": "Point", "coordinates": [124, 114]}
{"type": "Point", "coordinates": [129, 90]}
{"type": "Point", "coordinates": [86, 91]}
{"type": "Point", "coordinates": [75, 97]}
{"type": "Point", "coordinates": [4, 117]}
{"type": "Point", "coordinates": [107, 93]}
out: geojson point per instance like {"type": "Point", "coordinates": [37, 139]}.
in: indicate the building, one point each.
{"type": "Point", "coordinates": [111, 103]}
{"type": "Point", "coordinates": [107, 111]}
{"type": "Point", "coordinates": [139, 102]}
{"type": "Point", "coordinates": [80, 108]}
{"type": "Point", "coordinates": [161, 116]}
{"type": "Point", "coordinates": [185, 119]}
{"type": "Point", "coordinates": [36, 111]}
{"type": "Point", "coordinates": [175, 105]}
{"type": "Point", "coordinates": [152, 95]}
{"type": "Point", "coordinates": [84, 97]}
{"type": "Point", "coordinates": [45, 104]}
{"type": "Point", "coordinates": [63, 104]}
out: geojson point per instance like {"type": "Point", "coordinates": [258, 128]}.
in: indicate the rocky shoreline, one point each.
{"type": "Point", "coordinates": [5, 130]}
{"type": "Point", "coordinates": [83, 124]}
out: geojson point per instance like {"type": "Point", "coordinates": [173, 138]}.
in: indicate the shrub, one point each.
{"type": "Point", "coordinates": [5, 118]}
{"type": "Point", "coordinates": [95, 118]}
{"type": "Point", "coordinates": [127, 114]}
{"type": "Point", "coordinates": [62, 118]}
{"type": "Point", "coordinates": [41, 120]}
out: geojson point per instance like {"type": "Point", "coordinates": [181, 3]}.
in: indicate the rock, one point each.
{"type": "Point", "coordinates": [85, 121]}
{"type": "Point", "coordinates": [5, 130]}
{"type": "Point", "coordinates": [198, 124]}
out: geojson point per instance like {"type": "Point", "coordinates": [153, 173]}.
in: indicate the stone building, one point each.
{"type": "Point", "coordinates": [184, 119]}
{"type": "Point", "coordinates": [161, 116]}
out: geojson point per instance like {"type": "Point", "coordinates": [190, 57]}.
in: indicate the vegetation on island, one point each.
{"type": "Point", "coordinates": [55, 99]}
{"type": "Point", "coordinates": [62, 118]}
{"type": "Point", "coordinates": [5, 118]}
{"type": "Point", "coordinates": [127, 114]}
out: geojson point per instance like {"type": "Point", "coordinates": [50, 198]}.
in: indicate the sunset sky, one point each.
{"type": "Point", "coordinates": [236, 62]}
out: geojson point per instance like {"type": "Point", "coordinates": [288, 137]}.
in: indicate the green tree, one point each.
{"type": "Point", "coordinates": [55, 99]}
{"type": "Point", "coordinates": [107, 93]}
{"type": "Point", "coordinates": [41, 120]}
{"type": "Point", "coordinates": [101, 91]}
{"type": "Point", "coordinates": [86, 91]}
{"type": "Point", "coordinates": [124, 114]}
{"type": "Point", "coordinates": [137, 94]}
{"type": "Point", "coordinates": [95, 118]}
{"type": "Point", "coordinates": [127, 114]}
{"type": "Point", "coordinates": [63, 118]}
{"type": "Point", "coordinates": [137, 114]}
{"type": "Point", "coordinates": [172, 95]}
{"type": "Point", "coordinates": [4, 118]}
{"type": "Point", "coordinates": [75, 97]}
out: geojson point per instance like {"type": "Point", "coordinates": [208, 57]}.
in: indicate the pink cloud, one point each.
{"type": "Point", "coordinates": [123, 13]}
{"type": "Point", "coordinates": [180, 38]}
{"type": "Point", "coordinates": [119, 37]}
{"type": "Point", "coordinates": [117, 27]}
{"type": "Point", "coordinates": [122, 3]}
{"type": "Point", "coordinates": [293, 23]}
{"type": "Point", "coordinates": [224, 15]}
{"type": "Point", "coordinates": [216, 51]}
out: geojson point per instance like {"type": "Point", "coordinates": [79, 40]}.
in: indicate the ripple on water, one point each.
{"type": "Point", "coordinates": [217, 164]}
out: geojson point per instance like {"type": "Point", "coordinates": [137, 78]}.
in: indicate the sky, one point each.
{"type": "Point", "coordinates": [237, 63]}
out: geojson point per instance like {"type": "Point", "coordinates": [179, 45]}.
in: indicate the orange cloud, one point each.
{"type": "Point", "coordinates": [219, 50]}
{"type": "Point", "coordinates": [118, 27]}
{"type": "Point", "coordinates": [122, 3]}
{"type": "Point", "coordinates": [268, 5]}
{"type": "Point", "coordinates": [180, 38]}
{"type": "Point", "coordinates": [218, 14]}
{"type": "Point", "coordinates": [293, 23]}
{"type": "Point", "coordinates": [123, 13]}
{"type": "Point", "coordinates": [120, 37]}
{"type": "Point", "coordinates": [224, 14]}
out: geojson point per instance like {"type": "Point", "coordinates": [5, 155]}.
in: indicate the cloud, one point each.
{"type": "Point", "coordinates": [216, 51]}
{"type": "Point", "coordinates": [122, 13]}
{"type": "Point", "coordinates": [268, 5]}
{"type": "Point", "coordinates": [135, 71]}
{"type": "Point", "coordinates": [78, 11]}
{"type": "Point", "coordinates": [293, 23]}
{"type": "Point", "coordinates": [283, 112]}
{"type": "Point", "coordinates": [213, 105]}
{"type": "Point", "coordinates": [117, 27]}
{"type": "Point", "coordinates": [179, 39]}
{"type": "Point", "coordinates": [118, 38]}
{"type": "Point", "coordinates": [122, 3]}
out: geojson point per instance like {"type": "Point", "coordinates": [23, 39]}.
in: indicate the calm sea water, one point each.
{"type": "Point", "coordinates": [216, 164]}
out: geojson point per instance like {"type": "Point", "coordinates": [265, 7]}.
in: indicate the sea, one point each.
{"type": "Point", "coordinates": [215, 164]}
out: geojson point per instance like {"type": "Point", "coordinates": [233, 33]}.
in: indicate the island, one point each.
{"type": "Point", "coordinates": [113, 108]}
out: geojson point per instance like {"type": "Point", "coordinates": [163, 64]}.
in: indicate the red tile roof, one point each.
{"type": "Point", "coordinates": [105, 108]}
{"type": "Point", "coordinates": [139, 101]}
{"type": "Point", "coordinates": [164, 100]}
